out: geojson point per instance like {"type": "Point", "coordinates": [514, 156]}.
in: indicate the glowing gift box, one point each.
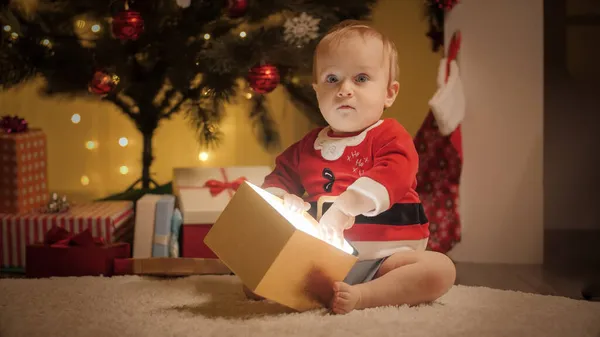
{"type": "Point", "coordinates": [277, 253]}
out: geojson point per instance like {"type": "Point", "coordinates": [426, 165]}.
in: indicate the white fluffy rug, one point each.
{"type": "Point", "coordinates": [215, 306]}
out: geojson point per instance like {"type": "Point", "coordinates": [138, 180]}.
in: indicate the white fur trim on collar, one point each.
{"type": "Point", "coordinates": [332, 148]}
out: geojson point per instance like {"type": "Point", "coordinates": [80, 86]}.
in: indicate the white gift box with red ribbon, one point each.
{"type": "Point", "coordinates": [202, 194]}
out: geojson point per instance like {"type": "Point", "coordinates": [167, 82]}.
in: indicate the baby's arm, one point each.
{"type": "Point", "coordinates": [285, 178]}
{"type": "Point", "coordinates": [394, 170]}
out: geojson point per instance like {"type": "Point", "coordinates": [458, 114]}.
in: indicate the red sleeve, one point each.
{"type": "Point", "coordinates": [285, 177]}
{"type": "Point", "coordinates": [394, 170]}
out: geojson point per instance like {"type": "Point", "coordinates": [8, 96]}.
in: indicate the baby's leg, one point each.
{"type": "Point", "coordinates": [411, 277]}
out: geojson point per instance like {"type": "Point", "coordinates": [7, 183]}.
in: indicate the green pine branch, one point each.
{"type": "Point", "coordinates": [172, 68]}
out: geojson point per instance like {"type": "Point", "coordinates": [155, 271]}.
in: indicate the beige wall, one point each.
{"type": "Point", "coordinates": [501, 190]}
{"type": "Point", "coordinates": [175, 144]}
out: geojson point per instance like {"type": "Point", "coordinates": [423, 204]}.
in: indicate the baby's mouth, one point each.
{"type": "Point", "coordinates": [345, 107]}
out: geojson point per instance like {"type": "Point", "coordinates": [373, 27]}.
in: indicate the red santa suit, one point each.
{"type": "Point", "coordinates": [380, 162]}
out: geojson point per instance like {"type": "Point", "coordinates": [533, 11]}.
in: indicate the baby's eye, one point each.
{"type": "Point", "coordinates": [362, 78]}
{"type": "Point", "coordinates": [331, 79]}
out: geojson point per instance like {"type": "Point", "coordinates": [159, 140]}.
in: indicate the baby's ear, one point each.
{"type": "Point", "coordinates": [391, 93]}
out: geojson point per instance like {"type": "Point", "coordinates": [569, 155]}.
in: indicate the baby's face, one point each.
{"type": "Point", "coordinates": [352, 83]}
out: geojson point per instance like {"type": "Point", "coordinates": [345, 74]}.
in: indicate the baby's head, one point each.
{"type": "Point", "coordinates": [354, 76]}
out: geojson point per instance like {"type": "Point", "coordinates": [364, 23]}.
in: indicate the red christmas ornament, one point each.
{"type": "Point", "coordinates": [128, 25]}
{"type": "Point", "coordinates": [236, 8]}
{"type": "Point", "coordinates": [14, 124]}
{"type": "Point", "coordinates": [263, 78]}
{"type": "Point", "coordinates": [103, 83]}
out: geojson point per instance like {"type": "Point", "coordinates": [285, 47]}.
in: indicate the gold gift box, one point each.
{"type": "Point", "coordinates": [277, 253]}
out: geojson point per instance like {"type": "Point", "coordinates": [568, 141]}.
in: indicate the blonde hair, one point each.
{"type": "Point", "coordinates": [345, 29]}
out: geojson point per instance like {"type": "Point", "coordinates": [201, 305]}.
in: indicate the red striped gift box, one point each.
{"type": "Point", "coordinates": [111, 220]}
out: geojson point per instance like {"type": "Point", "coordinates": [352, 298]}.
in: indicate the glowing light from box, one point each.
{"type": "Point", "coordinates": [90, 145]}
{"type": "Point", "coordinates": [85, 180]}
{"type": "Point", "coordinates": [297, 219]}
{"type": "Point", "coordinates": [7, 28]}
{"type": "Point", "coordinates": [123, 141]}
{"type": "Point", "coordinates": [124, 169]}
{"type": "Point", "coordinates": [242, 34]}
{"type": "Point", "coordinates": [203, 156]}
{"type": "Point", "coordinates": [206, 36]}
{"type": "Point", "coordinates": [96, 28]}
{"type": "Point", "coordinates": [76, 118]}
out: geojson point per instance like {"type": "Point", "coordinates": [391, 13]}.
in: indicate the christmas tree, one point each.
{"type": "Point", "coordinates": [156, 58]}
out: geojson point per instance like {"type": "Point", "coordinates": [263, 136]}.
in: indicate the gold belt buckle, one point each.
{"type": "Point", "coordinates": [321, 201]}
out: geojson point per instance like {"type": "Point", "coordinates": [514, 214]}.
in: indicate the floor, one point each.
{"type": "Point", "coordinates": [571, 260]}
{"type": "Point", "coordinates": [559, 281]}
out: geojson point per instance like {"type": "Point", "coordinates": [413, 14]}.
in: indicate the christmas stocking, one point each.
{"type": "Point", "coordinates": [440, 155]}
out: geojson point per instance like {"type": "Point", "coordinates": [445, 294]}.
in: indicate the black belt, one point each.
{"type": "Point", "coordinates": [398, 215]}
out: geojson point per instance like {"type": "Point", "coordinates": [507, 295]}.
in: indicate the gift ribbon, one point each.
{"type": "Point", "coordinates": [216, 187]}
{"type": "Point", "coordinates": [60, 237]}
{"type": "Point", "coordinates": [161, 239]}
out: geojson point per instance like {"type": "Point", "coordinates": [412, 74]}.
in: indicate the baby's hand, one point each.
{"type": "Point", "coordinates": [295, 203]}
{"type": "Point", "coordinates": [333, 223]}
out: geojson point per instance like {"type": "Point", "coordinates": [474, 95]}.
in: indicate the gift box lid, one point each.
{"type": "Point", "coordinates": [203, 192]}
{"type": "Point", "coordinates": [277, 253]}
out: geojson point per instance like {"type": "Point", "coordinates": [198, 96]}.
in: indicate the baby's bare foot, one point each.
{"type": "Point", "coordinates": [345, 298]}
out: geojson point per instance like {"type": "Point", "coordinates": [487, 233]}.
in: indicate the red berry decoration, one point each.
{"type": "Point", "coordinates": [128, 25]}
{"type": "Point", "coordinates": [236, 8]}
{"type": "Point", "coordinates": [14, 124]}
{"type": "Point", "coordinates": [103, 83]}
{"type": "Point", "coordinates": [446, 4]}
{"type": "Point", "coordinates": [263, 78]}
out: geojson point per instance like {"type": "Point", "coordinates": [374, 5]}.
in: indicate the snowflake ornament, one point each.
{"type": "Point", "coordinates": [301, 29]}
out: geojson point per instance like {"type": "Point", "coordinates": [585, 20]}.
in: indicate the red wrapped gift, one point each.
{"type": "Point", "coordinates": [23, 171]}
{"type": "Point", "coordinates": [202, 194]}
{"type": "Point", "coordinates": [111, 220]}
{"type": "Point", "coordinates": [65, 254]}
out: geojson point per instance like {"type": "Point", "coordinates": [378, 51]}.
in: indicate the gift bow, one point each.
{"type": "Point", "coordinates": [60, 237]}
{"type": "Point", "coordinates": [216, 187]}
{"type": "Point", "coordinates": [14, 124]}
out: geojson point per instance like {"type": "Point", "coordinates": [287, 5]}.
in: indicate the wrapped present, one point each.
{"type": "Point", "coordinates": [176, 222]}
{"type": "Point", "coordinates": [164, 266]}
{"type": "Point", "coordinates": [63, 253]}
{"type": "Point", "coordinates": [23, 170]}
{"type": "Point", "coordinates": [162, 226]}
{"type": "Point", "coordinates": [153, 219]}
{"type": "Point", "coordinates": [278, 253]}
{"type": "Point", "coordinates": [203, 193]}
{"type": "Point", "coordinates": [111, 220]}
{"type": "Point", "coordinates": [145, 216]}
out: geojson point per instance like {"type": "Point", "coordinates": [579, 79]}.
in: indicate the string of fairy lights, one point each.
{"type": "Point", "coordinates": [123, 142]}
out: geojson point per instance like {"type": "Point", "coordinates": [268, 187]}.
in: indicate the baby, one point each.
{"type": "Point", "coordinates": [363, 170]}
